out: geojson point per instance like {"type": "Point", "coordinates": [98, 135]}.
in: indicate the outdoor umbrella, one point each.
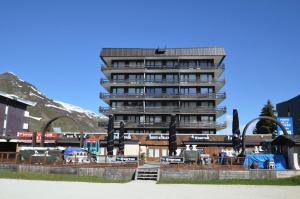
{"type": "Point", "coordinates": [81, 139]}
{"type": "Point", "coordinates": [34, 139]}
{"type": "Point", "coordinates": [110, 136]}
{"type": "Point", "coordinates": [236, 142]}
{"type": "Point", "coordinates": [121, 138]}
{"type": "Point", "coordinates": [172, 136]}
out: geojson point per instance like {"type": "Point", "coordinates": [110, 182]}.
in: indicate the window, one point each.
{"type": "Point", "coordinates": [153, 119]}
{"type": "Point", "coordinates": [164, 152]}
{"type": "Point", "coordinates": [206, 77]}
{"type": "Point", "coordinates": [205, 90]}
{"type": "Point", "coordinates": [118, 64]}
{"type": "Point", "coordinates": [172, 90]}
{"type": "Point", "coordinates": [190, 91]}
{"type": "Point", "coordinates": [151, 153]}
{"type": "Point", "coordinates": [118, 91]}
{"type": "Point", "coordinates": [205, 63]}
{"type": "Point", "coordinates": [171, 77]}
{"type": "Point", "coordinates": [189, 118]}
{"type": "Point", "coordinates": [135, 77]}
{"type": "Point", "coordinates": [207, 118]}
{"type": "Point", "coordinates": [153, 104]}
{"type": "Point", "coordinates": [133, 118]}
{"type": "Point", "coordinates": [119, 117]}
{"type": "Point", "coordinates": [192, 64]}
{"type": "Point", "coordinates": [118, 77]}
{"type": "Point", "coordinates": [117, 104]}
{"type": "Point", "coordinates": [134, 103]}
{"type": "Point", "coordinates": [184, 64]}
{"type": "Point", "coordinates": [154, 91]}
{"type": "Point", "coordinates": [208, 132]}
{"type": "Point", "coordinates": [134, 91]}
{"type": "Point", "coordinates": [188, 104]}
{"type": "Point", "coordinates": [207, 104]}
{"type": "Point", "coordinates": [154, 77]}
{"type": "Point", "coordinates": [188, 77]}
{"type": "Point", "coordinates": [156, 153]}
{"type": "Point", "coordinates": [152, 63]}
{"type": "Point", "coordinates": [171, 64]}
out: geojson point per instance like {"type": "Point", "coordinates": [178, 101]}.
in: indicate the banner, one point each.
{"type": "Point", "coordinates": [287, 122]}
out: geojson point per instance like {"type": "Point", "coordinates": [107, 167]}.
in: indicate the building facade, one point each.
{"type": "Point", "coordinates": [146, 86]}
{"type": "Point", "coordinates": [291, 108]}
{"type": "Point", "coordinates": [13, 114]}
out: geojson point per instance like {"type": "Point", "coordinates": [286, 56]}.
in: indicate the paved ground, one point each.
{"type": "Point", "coordinates": [23, 189]}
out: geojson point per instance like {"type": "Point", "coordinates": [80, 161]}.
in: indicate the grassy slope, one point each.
{"type": "Point", "coordinates": [283, 181]}
{"type": "Point", "coordinates": [54, 177]}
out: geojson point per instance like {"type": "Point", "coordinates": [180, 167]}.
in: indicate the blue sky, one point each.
{"type": "Point", "coordinates": [55, 45]}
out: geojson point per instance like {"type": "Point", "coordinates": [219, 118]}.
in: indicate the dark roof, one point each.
{"type": "Point", "coordinates": [149, 52]}
{"type": "Point", "coordinates": [297, 98]}
{"type": "Point", "coordinates": [287, 140]}
{"type": "Point", "coordinates": [221, 143]}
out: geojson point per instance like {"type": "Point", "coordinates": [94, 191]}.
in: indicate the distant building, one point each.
{"type": "Point", "coordinates": [13, 114]}
{"type": "Point", "coordinates": [291, 108]}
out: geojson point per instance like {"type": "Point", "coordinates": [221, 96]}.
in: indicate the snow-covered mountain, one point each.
{"type": "Point", "coordinates": [47, 108]}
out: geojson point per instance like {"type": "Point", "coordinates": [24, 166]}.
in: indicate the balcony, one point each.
{"type": "Point", "coordinates": [161, 83]}
{"type": "Point", "coordinates": [162, 110]}
{"type": "Point", "coordinates": [108, 69]}
{"type": "Point", "coordinates": [165, 125]}
{"type": "Point", "coordinates": [164, 96]}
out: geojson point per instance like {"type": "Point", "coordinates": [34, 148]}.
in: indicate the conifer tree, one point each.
{"type": "Point", "coordinates": [266, 126]}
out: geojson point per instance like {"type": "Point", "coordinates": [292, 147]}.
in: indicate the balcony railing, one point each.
{"type": "Point", "coordinates": [128, 82]}
{"type": "Point", "coordinates": [163, 125]}
{"type": "Point", "coordinates": [161, 109]}
{"type": "Point", "coordinates": [111, 67]}
{"type": "Point", "coordinates": [108, 96]}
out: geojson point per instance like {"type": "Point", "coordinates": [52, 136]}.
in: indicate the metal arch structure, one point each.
{"type": "Point", "coordinates": [259, 118]}
{"type": "Point", "coordinates": [49, 123]}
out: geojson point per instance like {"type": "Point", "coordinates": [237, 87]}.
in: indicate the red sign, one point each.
{"type": "Point", "coordinates": [38, 135]}
{"type": "Point", "coordinates": [91, 140]}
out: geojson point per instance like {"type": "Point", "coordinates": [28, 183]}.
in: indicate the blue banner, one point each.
{"type": "Point", "coordinates": [287, 122]}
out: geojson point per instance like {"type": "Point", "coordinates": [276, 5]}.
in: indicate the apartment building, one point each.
{"type": "Point", "coordinates": [145, 86]}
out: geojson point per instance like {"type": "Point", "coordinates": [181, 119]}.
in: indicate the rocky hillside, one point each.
{"type": "Point", "coordinates": [47, 108]}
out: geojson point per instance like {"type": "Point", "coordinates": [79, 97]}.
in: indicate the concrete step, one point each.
{"type": "Point", "coordinates": [147, 174]}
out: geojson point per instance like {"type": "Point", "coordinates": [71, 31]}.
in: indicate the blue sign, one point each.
{"type": "Point", "coordinates": [287, 122]}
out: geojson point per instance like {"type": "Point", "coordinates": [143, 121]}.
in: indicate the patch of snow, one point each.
{"type": "Point", "coordinates": [38, 96]}
{"type": "Point", "coordinates": [53, 106]}
{"type": "Point", "coordinates": [35, 118]}
{"type": "Point", "coordinates": [15, 75]}
{"type": "Point", "coordinates": [12, 73]}
{"type": "Point", "coordinates": [72, 108]}
{"type": "Point", "coordinates": [36, 90]}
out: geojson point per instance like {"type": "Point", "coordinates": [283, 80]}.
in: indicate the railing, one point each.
{"type": "Point", "coordinates": [202, 124]}
{"type": "Point", "coordinates": [138, 82]}
{"type": "Point", "coordinates": [226, 163]}
{"type": "Point", "coordinates": [125, 67]}
{"type": "Point", "coordinates": [209, 162]}
{"type": "Point", "coordinates": [162, 109]}
{"type": "Point", "coordinates": [163, 95]}
{"type": "Point", "coordinates": [58, 160]}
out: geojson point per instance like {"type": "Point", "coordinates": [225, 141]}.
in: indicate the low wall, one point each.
{"type": "Point", "coordinates": [224, 174]}
{"type": "Point", "coordinates": [103, 172]}
{"type": "Point", "coordinates": [165, 173]}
